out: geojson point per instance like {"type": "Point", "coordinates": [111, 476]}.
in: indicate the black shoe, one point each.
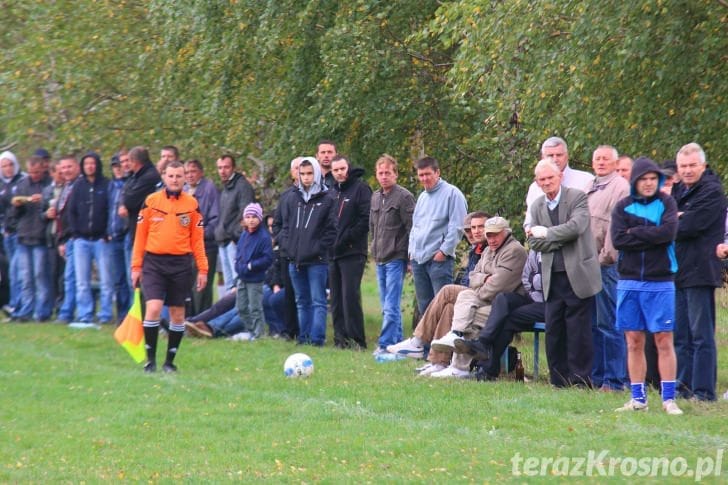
{"type": "Point", "coordinates": [169, 368]}
{"type": "Point", "coordinates": [482, 375]}
{"type": "Point", "coordinates": [473, 347]}
{"type": "Point", "coordinates": [150, 367]}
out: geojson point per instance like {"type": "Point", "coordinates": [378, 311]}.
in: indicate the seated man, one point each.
{"type": "Point", "coordinates": [220, 320]}
{"type": "Point", "coordinates": [499, 270]}
{"type": "Point", "coordinates": [435, 322]}
{"type": "Point", "coordinates": [510, 313]}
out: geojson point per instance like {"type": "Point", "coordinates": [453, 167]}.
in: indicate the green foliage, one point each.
{"type": "Point", "coordinates": [476, 83]}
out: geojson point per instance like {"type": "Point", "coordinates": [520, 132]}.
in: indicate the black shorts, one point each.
{"type": "Point", "coordinates": [168, 277]}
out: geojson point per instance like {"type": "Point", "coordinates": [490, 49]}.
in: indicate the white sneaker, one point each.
{"type": "Point", "coordinates": [408, 348]}
{"type": "Point", "coordinates": [632, 405]}
{"type": "Point", "coordinates": [671, 407]}
{"type": "Point", "coordinates": [431, 369]}
{"type": "Point", "coordinates": [725, 396]}
{"type": "Point", "coordinates": [451, 372]}
{"type": "Point", "coordinates": [446, 343]}
{"type": "Point", "coordinates": [243, 337]}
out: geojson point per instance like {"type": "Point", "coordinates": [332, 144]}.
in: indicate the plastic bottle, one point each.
{"type": "Point", "coordinates": [388, 357]}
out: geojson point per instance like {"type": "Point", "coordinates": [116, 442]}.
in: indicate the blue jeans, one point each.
{"type": "Point", "coordinates": [128, 247]}
{"type": "Point", "coordinates": [227, 324]}
{"type": "Point", "coordinates": [85, 251]}
{"type": "Point", "coordinates": [695, 342]}
{"type": "Point", "coordinates": [390, 278]}
{"type": "Point", "coordinates": [610, 350]}
{"type": "Point", "coordinates": [309, 283]}
{"type": "Point", "coordinates": [226, 258]}
{"type": "Point", "coordinates": [68, 307]}
{"type": "Point", "coordinates": [10, 243]}
{"type": "Point", "coordinates": [35, 295]}
{"type": "Point", "coordinates": [429, 278]}
{"type": "Point", "coordinates": [119, 277]}
{"type": "Point", "coordinates": [273, 309]}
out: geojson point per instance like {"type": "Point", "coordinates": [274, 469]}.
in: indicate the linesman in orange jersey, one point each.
{"type": "Point", "coordinates": [169, 242]}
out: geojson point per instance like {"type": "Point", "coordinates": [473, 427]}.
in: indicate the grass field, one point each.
{"type": "Point", "coordinates": [75, 408]}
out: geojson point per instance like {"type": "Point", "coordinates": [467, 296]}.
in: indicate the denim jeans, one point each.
{"type": "Point", "coordinates": [84, 252]}
{"type": "Point", "coordinates": [249, 303]}
{"type": "Point", "coordinates": [10, 243]}
{"type": "Point", "coordinates": [128, 247]}
{"type": "Point", "coordinates": [390, 278]}
{"type": "Point", "coordinates": [429, 278]}
{"type": "Point", "coordinates": [309, 283]}
{"type": "Point", "coordinates": [35, 301]}
{"type": "Point", "coordinates": [119, 277]}
{"type": "Point", "coordinates": [273, 309]}
{"type": "Point", "coordinates": [227, 324]}
{"type": "Point", "coordinates": [695, 342]}
{"type": "Point", "coordinates": [68, 306]}
{"type": "Point", "coordinates": [610, 350]}
{"type": "Point", "coordinates": [226, 260]}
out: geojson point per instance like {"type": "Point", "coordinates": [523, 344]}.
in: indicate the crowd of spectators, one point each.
{"type": "Point", "coordinates": [601, 245]}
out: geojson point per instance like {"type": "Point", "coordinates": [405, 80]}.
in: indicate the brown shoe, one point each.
{"type": "Point", "coordinates": [199, 329]}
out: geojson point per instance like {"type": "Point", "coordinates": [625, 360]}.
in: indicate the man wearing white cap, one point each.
{"type": "Point", "coordinates": [500, 268]}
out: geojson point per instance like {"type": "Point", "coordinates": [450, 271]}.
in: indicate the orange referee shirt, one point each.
{"type": "Point", "coordinates": [170, 225]}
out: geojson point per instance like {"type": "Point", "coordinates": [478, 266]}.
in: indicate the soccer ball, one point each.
{"type": "Point", "coordinates": [298, 365]}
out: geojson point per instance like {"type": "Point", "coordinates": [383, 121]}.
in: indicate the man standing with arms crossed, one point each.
{"type": "Point", "coordinates": [701, 212]}
{"type": "Point", "coordinates": [390, 221]}
{"type": "Point", "coordinates": [436, 231]}
{"type": "Point", "coordinates": [169, 242]}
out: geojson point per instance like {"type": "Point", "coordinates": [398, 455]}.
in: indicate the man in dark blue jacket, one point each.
{"type": "Point", "coordinates": [348, 256]}
{"type": "Point", "coordinates": [701, 208]}
{"type": "Point", "coordinates": [88, 217]}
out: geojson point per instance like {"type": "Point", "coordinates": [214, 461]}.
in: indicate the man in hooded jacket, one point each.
{"type": "Point", "coordinates": [348, 256]}
{"type": "Point", "coordinates": [308, 231]}
{"type": "Point", "coordinates": [10, 175]}
{"type": "Point", "coordinates": [88, 217]}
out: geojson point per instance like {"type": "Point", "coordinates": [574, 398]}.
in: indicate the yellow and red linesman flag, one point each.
{"type": "Point", "coordinates": [130, 333]}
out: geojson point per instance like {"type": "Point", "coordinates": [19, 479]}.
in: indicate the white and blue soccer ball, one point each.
{"type": "Point", "coordinates": [298, 365]}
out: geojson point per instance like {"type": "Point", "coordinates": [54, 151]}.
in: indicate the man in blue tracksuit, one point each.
{"type": "Point", "coordinates": [643, 229]}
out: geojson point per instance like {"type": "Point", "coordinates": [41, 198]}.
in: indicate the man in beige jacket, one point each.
{"type": "Point", "coordinates": [499, 270]}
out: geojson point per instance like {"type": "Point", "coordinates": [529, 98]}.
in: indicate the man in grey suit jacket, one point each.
{"type": "Point", "coordinates": [571, 276]}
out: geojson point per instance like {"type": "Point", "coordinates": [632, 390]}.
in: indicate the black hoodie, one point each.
{"type": "Point", "coordinates": [88, 205]}
{"type": "Point", "coordinates": [352, 200]}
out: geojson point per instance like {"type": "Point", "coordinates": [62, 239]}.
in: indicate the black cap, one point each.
{"type": "Point", "coordinates": [42, 153]}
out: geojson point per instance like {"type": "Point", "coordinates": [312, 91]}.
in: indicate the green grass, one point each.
{"type": "Point", "coordinates": [75, 408]}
